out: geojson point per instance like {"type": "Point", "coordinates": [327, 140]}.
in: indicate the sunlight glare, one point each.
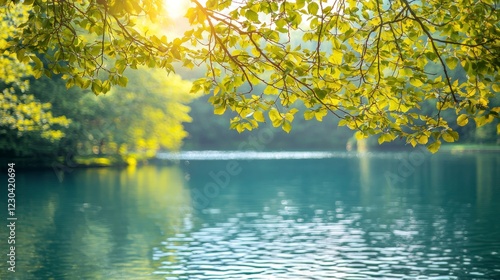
{"type": "Point", "coordinates": [175, 8]}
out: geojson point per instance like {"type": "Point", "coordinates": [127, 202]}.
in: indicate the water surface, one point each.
{"type": "Point", "coordinates": [264, 216]}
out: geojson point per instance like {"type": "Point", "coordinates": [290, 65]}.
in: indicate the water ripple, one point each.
{"type": "Point", "coordinates": [264, 246]}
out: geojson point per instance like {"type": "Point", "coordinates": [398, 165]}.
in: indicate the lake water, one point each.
{"type": "Point", "coordinates": [263, 216]}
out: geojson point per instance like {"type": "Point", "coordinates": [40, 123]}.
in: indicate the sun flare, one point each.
{"type": "Point", "coordinates": [175, 8]}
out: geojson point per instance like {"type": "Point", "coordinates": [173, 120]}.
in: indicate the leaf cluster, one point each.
{"type": "Point", "coordinates": [365, 62]}
{"type": "Point", "coordinates": [91, 43]}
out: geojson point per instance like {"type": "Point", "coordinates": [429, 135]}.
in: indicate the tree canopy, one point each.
{"type": "Point", "coordinates": [22, 115]}
{"type": "Point", "coordinates": [371, 63]}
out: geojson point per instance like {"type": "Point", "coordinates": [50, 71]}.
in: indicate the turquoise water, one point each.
{"type": "Point", "coordinates": [263, 216]}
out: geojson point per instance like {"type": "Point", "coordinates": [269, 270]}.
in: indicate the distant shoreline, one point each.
{"type": "Point", "coordinates": [465, 148]}
{"type": "Point", "coordinates": [99, 161]}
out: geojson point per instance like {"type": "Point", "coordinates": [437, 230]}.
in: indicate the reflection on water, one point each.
{"type": "Point", "coordinates": [96, 224]}
{"type": "Point", "coordinates": [314, 218]}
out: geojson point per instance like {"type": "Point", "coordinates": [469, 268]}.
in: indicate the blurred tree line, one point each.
{"type": "Point", "coordinates": [48, 122]}
{"type": "Point", "coordinates": [210, 132]}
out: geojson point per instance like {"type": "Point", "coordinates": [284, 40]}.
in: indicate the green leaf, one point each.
{"type": "Point", "coordinates": [416, 82]}
{"type": "Point", "coordinates": [452, 62]}
{"type": "Point", "coordinates": [175, 53]}
{"type": "Point", "coordinates": [320, 114]}
{"type": "Point", "coordinates": [86, 83]}
{"type": "Point", "coordinates": [79, 81]}
{"type": "Point", "coordinates": [287, 127]}
{"type": "Point", "coordinates": [280, 23]}
{"type": "Point", "coordinates": [258, 116]}
{"type": "Point", "coordinates": [69, 83]}
{"type": "Point", "coordinates": [251, 15]}
{"type": "Point", "coordinates": [336, 57]}
{"type": "Point", "coordinates": [360, 135]}
{"type": "Point", "coordinates": [299, 4]}
{"type": "Point", "coordinates": [308, 115]}
{"type": "Point", "coordinates": [462, 120]}
{"type": "Point", "coordinates": [275, 117]}
{"type": "Point", "coordinates": [37, 61]}
{"type": "Point", "coordinates": [385, 138]}
{"type": "Point", "coordinates": [122, 81]}
{"type": "Point", "coordinates": [240, 128]}
{"type": "Point", "coordinates": [320, 93]}
{"type": "Point", "coordinates": [448, 137]}
{"type": "Point", "coordinates": [313, 8]}
{"type": "Point", "coordinates": [270, 89]}
{"type": "Point", "coordinates": [413, 142]}
{"type": "Point", "coordinates": [434, 147]}
{"type": "Point", "coordinates": [423, 139]}
{"type": "Point", "coordinates": [21, 54]}
{"type": "Point", "coordinates": [454, 134]}
{"type": "Point", "coordinates": [496, 87]}
{"type": "Point", "coordinates": [220, 109]}
{"type": "Point", "coordinates": [211, 4]}
{"type": "Point", "coordinates": [96, 86]}
{"type": "Point", "coordinates": [482, 120]}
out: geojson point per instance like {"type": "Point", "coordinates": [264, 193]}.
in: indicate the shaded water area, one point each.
{"type": "Point", "coordinates": [281, 216]}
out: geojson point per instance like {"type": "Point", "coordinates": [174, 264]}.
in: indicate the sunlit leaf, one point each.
{"type": "Point", "coordinates": [258, 116]}
{"type": "Point", "coordinates": [251, 15]}
{"type": "Point", "coordinates": [313, 8]}
{"type": "Point", "coordinates": [287, 126]}
{"type": "Point", "coordinates": [452, 62]}
{"type": "Point", "coordinates": [447, 137]}
{"type": "Point", "coordinates": [434, 147]}
{"type": "Point", "coordinates": [220, 110]}
{"type": "Point", "coordinates": [423, 139]}
{"type": "Point", "coordinates": [462, 120]}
